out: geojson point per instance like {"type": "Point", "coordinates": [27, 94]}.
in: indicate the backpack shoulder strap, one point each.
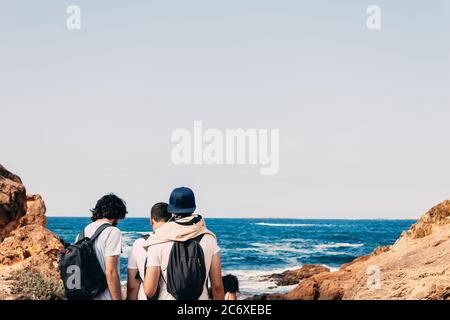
{"type": "Point", "coordinates": [81, 235]}
{"type": "Point", "coordinates": [138, 274]}
{"type": "Point", "coordinates": [100, 230]}
{"type": "Point", "coordinates": [191, 222]}
{"type": "Point", "coordinates": [198, 238]}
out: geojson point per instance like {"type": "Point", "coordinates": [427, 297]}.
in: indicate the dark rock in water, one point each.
{"type": "Point", "coordinates": [266, 296]}
{"type": "Point", "coordinates": [293, 277]}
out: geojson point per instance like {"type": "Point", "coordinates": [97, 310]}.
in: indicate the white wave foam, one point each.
{"type": "Point", "coordinates": [254, 282]}
{"type": "Point", "coordinates": [289, 224]}
{"type": "Point", "coordinates": [259, 244]}
{"type": "Point", "coordinates": [337, 245]}
{"type": "Point", "coordinates": [282, 249]}
{"type": "Point", "coordinates": [247, 249]}
{"type": "Point", "coordinates": [302, 240]}
{"type": "Point", "coordinates": [136, 232]}
{"type": "Point", "coordinates": [127, 244]}
{"type": "Point", "coordinates": [275, 248]}
{"type": "Point", "coordinates": [333, 269]}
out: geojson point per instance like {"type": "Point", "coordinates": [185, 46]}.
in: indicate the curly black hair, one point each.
{"type": "Point", "coordinates": [230, 283]}
{"type": "Point", "coordinates": [109, 206]}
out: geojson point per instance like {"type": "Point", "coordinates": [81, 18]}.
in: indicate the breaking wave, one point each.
{"type": "Point", "coordinates": [290, 225]}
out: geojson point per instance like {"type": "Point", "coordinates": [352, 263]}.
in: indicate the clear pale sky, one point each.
{"type": "Point", "coordinates": [364, 116]}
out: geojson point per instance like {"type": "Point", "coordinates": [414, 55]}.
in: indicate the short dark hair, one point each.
{"type": "Point", "coordinates": [159, 212]}
{"type": "Point", "coordinates": [230, 283]}
{"type": "Point", "coordinates": [109, 206]}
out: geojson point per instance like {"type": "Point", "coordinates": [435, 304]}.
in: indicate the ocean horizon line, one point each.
{"type": "Point", "coordinates": [254, 217]}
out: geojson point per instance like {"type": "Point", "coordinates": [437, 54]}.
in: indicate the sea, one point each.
{"type": "Point", "coordinates": [251, 249]}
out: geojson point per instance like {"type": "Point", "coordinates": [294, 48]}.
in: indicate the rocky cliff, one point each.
{"type": "Point", "coordinates": [13, 204]}
{"type": "Point", "coordinates": [417, 266]}
{"type": "Point", "coordinates": [25, 242]}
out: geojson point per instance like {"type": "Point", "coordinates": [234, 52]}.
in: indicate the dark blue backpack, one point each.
{"type": "Point", "coordinates": [80, 270]}
{"type": "Point", "coordinates": [186, 270]}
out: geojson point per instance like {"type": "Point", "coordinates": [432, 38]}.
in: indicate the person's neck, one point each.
{"type": "Point", "coordinates": [106, 220]}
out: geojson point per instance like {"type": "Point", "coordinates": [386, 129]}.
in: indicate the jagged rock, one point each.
{"type": "Point", "coordinates": [13, 203]}
{"type": "Point", "coordinates": [417, 266]}
{"type": "Point", "coordinates": [31, 246]}
{"type": "Point", "coordinates": [24, 240]}
{"type": "Point", "coordinates": [35, 211]}
{"type": "Point", "coordinates": [437, 216]}
{"type": "Point", "coordinates": [9, 175]}
{"type": "Point", "coordinates": [292, 277]}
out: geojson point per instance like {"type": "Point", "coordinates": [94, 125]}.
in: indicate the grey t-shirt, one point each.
{"type": "Point", "coordinates": [108, 243]}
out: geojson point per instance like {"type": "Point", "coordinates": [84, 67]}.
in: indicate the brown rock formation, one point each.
{"type": "Point", "coordinates": [31, 246]}
{"type": "Point", "coordinates": [292, 277]}
{"type": "Point", "coordinates": [35, 211]}
{"type": "Point", "coordinates": [417, 266]}
{"type": "Point", "coordinates": [13, 203]}
{"type": "Point", "coordinates": [429, 223]}
{"type": "Point", "coordinates": [24, 240]}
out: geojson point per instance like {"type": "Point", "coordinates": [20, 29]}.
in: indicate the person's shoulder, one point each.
{"type": "Point", "coordinates": [90, 225]}
{"type": "Point", "coordinates": [113, 231]}
{"type": "Point", "coordinates": [161, 247]}
{"type": "Point", "coordinates": [139, 243]}
{"type": "Point", "coordinates": [137, 246]}
{"type": "Point", "coordinates": [209, 239]}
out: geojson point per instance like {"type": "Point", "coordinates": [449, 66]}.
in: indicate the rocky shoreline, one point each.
{"type": "Point", "coordinates": [293, 277]}
{"type": "Point", "coordinates": [416, 266]}
{"type": "Point", "coordinates": [25, 242]}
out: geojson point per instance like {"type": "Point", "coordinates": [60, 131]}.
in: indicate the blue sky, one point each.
{"type": "Point", "coordinates": [363, 115]}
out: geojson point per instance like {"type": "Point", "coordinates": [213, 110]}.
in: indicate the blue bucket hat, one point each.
{"type": "Point", "coordinates": [182, 202]}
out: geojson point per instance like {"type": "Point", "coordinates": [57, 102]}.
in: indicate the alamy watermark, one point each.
{"type": "Point", "coordinates": [227, 147]}
{"type": "Point", "coordinates": [373, 22]}
{"type": "Point", "coordinates": [74, 280]}
{"type": "Point", "coordinates": [374, 19]}
{"type": "Point", "coordinates": [373, 277]}
{"type": "Point", "coordinates": [73, 21]}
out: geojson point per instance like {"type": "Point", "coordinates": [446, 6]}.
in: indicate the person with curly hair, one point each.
{"type": "Point", "coordinates": [108, 211]}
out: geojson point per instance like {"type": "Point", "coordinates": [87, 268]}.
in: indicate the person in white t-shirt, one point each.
{"type": "Point", "coordinates": [109, 209]}
{"type": "Point", "coordinates": [138, 255]}
{"type": "Point", "coordinates": [183, 226]}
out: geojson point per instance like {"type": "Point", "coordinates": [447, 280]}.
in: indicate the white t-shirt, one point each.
{"type": "Point", "coordinates": [136, 260]}
{"type": "Point", "coordinates": [158, 256]}
{"type": "Point", "coordinates": [108, 244]}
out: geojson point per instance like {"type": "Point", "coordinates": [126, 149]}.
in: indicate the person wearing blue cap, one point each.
{"type": "Point", "coordinates": [182, 202]}
{"type": "Point", "coordinates": [183, 254]}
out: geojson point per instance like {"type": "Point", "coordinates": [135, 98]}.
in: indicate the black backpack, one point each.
{"type": "Point", "coordinates": [80, 270]}
{"type": "Point", "coordinates": [186, 270]}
